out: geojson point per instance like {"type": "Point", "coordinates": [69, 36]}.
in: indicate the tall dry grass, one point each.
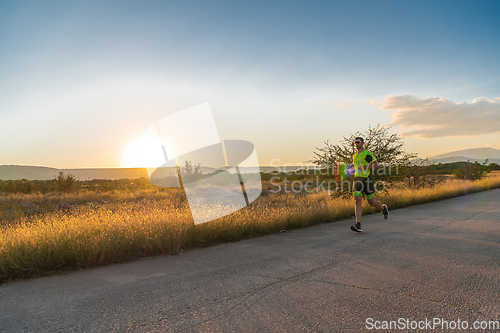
{"type": "Point", "coordinates": [402, 197]}
{"type": "Point", "coordinates": [131, 227]}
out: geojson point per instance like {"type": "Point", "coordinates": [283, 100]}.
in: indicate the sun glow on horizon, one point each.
{"type": "Point", "coordinates": [142, 152]}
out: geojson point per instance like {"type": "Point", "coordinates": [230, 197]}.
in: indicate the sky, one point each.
{"type": "Point", "coordinates": [80, 81]}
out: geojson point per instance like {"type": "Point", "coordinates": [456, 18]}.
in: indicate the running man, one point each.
{"type": "Point", "coordinates": [364, 162]}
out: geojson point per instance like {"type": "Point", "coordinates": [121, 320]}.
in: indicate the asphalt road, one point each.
{"type": "Point", "coordinates": [438, 260]}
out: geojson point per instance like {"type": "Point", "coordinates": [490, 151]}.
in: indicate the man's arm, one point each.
{"type": "Point", "coordinates": [372, 166]}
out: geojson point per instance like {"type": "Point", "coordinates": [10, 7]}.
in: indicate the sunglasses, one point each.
{"type": "Point", "coordinates": [358, 141]}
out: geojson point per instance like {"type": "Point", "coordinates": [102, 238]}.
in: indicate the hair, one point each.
{"type": "Point", "coordinates": [360, 138]}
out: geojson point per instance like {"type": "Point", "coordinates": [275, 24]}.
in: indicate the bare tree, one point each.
{"type": "Point", "coordinates": [387, 148]}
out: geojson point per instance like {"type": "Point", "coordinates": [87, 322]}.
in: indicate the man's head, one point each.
{"type": "Point", "coordinates": [358, 142]}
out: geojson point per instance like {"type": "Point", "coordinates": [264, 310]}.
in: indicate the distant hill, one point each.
{"type": "Point", "coordinates": [14, 172]}
{"type": "Point", "coordinates": [475, 154]}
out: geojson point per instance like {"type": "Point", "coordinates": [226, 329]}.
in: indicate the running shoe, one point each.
{"type": "Point", "coordinates": [356, 227]}
{"type": "Point", "coordinates": [385, 211]}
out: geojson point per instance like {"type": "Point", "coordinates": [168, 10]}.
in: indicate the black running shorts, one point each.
{"type": "Point", "coordinates": [364, 185]}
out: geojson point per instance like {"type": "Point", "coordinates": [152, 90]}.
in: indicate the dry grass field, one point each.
{"type": "Point", "coordinates": [95, 229]}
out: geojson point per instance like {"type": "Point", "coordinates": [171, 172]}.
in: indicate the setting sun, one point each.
{"type": "Point", "coordinates": [142, 152]}
{"type": "Point", "coordinates": [132, 155]}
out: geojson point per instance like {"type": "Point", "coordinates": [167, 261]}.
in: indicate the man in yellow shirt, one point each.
{"type": "Point", "coordinates": [364, 162]}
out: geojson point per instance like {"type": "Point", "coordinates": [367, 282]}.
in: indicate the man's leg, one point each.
{"type": "Point", "coordinates": [375, 203]}
{"type": "Point", "coordinates": [383, 208]}
{"type": "Point", "coordinates": [358, 197]}
{"type": "Point", "coordinates": [358, 188]}
{"type": "Point", "coordinates": [358, 211]}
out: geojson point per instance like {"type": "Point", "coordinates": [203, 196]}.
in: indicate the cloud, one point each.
{"type": "Point", "coordinates": [437, 117]}
{"type": "Point", "coordinates": [496, 146]}
{"type": "Point", "coordinates": [341, 104]}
